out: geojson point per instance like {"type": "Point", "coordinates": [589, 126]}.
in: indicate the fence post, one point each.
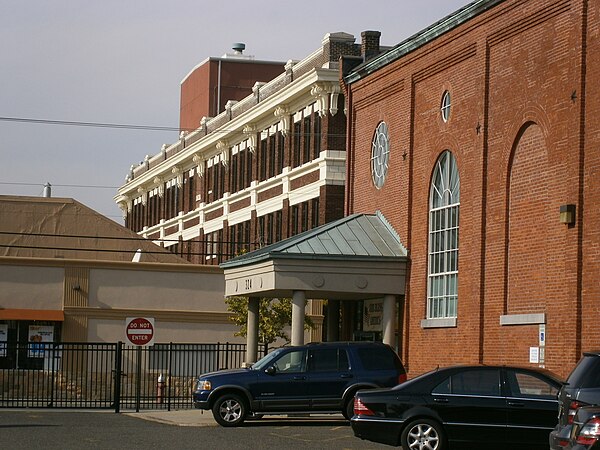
{"type": "Point", "coordinates": [52, 371]}
{"type": "Point", "coordinates": [169, 376]}
{"type": "Point", "coordinates": [117, 371]}
{"type": "Point", "coordinates": [138, 379]}
{"type": "Point", "coordinates": [218, 355]}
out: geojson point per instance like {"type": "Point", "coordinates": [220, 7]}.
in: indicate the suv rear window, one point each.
{"type": "Point", "coordinates": [379, 358]}
{"type": "Point", "coordinates": [586, 374]}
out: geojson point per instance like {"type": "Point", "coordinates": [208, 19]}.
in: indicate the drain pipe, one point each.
{"type": "Point", "coordinates": [218, 90]}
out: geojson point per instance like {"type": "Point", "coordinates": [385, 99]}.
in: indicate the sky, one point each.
{"type": "Point", "coordinates": [122, 61]}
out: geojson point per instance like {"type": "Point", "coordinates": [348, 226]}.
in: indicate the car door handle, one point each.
{"type": "Point", "coordinates": [346, 375]}
{"type": "Point", "coordinates": [440, 400]}
{"type": "Point", "coordinates": [299, 378]}
{"type": "Point", "coordinates": [519, 404]}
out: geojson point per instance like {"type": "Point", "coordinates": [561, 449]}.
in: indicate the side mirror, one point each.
{"type": "Point", "coordinates": [271, 370]}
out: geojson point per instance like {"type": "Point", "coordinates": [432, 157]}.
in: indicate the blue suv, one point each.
{"type": "Point", "coordinates": [313, 378]}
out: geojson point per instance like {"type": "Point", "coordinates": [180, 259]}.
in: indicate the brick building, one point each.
{"type": "Point", "coordinates": [483, 127]}
{"type": "Point", "coordinates": [268, 166]}
{"type": "Point", "coordinates": [211, 84]}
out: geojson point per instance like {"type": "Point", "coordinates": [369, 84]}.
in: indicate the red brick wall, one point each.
{"type": "Point", "coordinates": [199, 89]}
{"type": "Point", "coordinates": [516, 135]}
{"type": "Point", "coordinates": [588, 210]}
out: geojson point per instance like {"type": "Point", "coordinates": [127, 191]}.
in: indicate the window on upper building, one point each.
{"type": "Point", "coordinates": [234, 172]}
{"type": "Point", "coordinates": [317, 137]}
{"type": "Point", "coordinates": [306, 135]}
{"type": "Point", "coordinates": [239, 239]}
{"type": "Point", "coordinates": [263, 160]}
{"type": "Point", "coordinates": [314, 213]}
{"type": "Point", "coordinates": [278, 226]}
{"type": "Point", "coordinates": [219, 180]}
{"type": "Point", "coordinates": [240, 169]}
{"type": "Point", "coordinates": [444, 205]}
{"type": "Point", "coordinates": [191, 191]}
{"type": "Point", "coordinates": [296, 149]}
{"type": "Point", "coordinates": [280, 152]}
{"type": "Point", "coordinates": [154, 207]}
{"type": "Point", "coordinates": [305, 223]}
{"type": "Point", "coordinates": [248, 175]}
{"type": "Point", "coordinates": [214, 246]}
{"type": "Point", "coordinates": [294, 220]}
{"type": "Point", "coordinates": [214, 180]}
{"type": "Point", "coordinates": [137, 213]}
{"type": "Point", "coordinates": [172, 197]}
{"type": "Point", "coordinates": [272, 156]}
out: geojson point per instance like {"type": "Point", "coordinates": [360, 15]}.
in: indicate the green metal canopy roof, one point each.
{"type": "Point", "coordinates": [356, 237]}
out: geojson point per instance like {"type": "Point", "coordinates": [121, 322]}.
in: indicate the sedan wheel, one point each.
{"type": "Point", "coordinates": [423, 434]}
{"type": "Point", "coordinates": [229, 410]}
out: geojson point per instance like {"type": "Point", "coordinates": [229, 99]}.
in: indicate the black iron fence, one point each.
{"type": "Point", "coordinates": [111, 375]}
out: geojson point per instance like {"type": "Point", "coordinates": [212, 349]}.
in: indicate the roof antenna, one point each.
{"type": "Point", "coordinates": [47, 190]}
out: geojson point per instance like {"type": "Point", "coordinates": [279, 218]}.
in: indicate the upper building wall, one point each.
{"type": "Point", "coordinates": [209, 86]}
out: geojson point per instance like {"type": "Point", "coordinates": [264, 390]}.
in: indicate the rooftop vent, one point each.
{"type": "Point", "coordinates": [238, 47]}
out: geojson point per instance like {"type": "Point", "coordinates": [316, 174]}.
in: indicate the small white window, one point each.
{"type": "Point", "coordinates": [445, 107]}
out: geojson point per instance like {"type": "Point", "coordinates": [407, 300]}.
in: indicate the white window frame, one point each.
{"type": "Point", "coordinates": [380, 155]}
{"type": "Point", "coordinates": [443, 249]}
{"type": "Point", "coordinates": [445, 106]}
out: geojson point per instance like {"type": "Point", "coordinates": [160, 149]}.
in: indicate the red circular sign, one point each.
{"type": "Point", "coordinates": [140, 331]}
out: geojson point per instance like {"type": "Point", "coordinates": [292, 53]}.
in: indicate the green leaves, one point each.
{"type": "Point", "coordinates": [275, 314]}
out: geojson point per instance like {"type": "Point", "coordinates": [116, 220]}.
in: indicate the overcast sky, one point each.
{"type": "Point", "coordinates": [122, 61]}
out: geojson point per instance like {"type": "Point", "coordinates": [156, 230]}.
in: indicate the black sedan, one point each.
{"type": "Point", "coordinates": [455, 407]}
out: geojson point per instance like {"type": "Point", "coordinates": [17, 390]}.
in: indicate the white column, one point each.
{"type": "Point", "coordinates": [298, 312]}
{"type": "Point", "coordinates": [252, 330]}
{"type": "Point", "coordinates": [389, 319]}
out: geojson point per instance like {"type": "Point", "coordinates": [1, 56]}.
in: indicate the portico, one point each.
{"type": "Point", "coordinates": [359, 257]}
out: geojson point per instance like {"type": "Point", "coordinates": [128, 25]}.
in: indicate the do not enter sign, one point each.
{"type": "Point", "coordinates": [139, 330]}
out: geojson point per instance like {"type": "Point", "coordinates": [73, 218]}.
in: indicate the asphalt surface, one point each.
{"type": "Point", "coordinates": [72, 429]}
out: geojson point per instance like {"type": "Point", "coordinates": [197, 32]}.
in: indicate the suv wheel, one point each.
{"type": "Point", "coordinates": [229, 410]}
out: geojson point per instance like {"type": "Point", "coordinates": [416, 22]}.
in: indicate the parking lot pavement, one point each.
{"type": "Point", "coordinates": [200, 418]}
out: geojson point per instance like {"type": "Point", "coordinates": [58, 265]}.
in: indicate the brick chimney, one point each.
{"type": "Point", "coordinates": [369, 46]}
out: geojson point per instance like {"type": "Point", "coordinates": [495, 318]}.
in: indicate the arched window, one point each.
{"type": "Point", "coordinates": [444, 205]}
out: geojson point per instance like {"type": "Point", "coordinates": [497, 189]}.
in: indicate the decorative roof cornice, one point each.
{"type": "Point", "coordinates": [236, 130]}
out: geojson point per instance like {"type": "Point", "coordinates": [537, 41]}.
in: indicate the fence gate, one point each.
{"type": "Point", "coordinates": [109, 375]}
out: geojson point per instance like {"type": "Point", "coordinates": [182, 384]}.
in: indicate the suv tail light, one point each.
{"type": "Point", "coordinates": [589, 433]}
{"type": "Point", "coordinates": [401, 378]}
{"type": "Point", "coordinates": [573, 409]}
{"type": "Point", "coordinates": [361, 409]}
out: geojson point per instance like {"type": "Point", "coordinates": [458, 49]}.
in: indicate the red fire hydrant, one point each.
{"type": "Point", "coordinates": [160, 388]}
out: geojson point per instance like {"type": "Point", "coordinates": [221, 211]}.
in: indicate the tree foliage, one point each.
{"type": "Point", "coordinates": [274, 315]}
